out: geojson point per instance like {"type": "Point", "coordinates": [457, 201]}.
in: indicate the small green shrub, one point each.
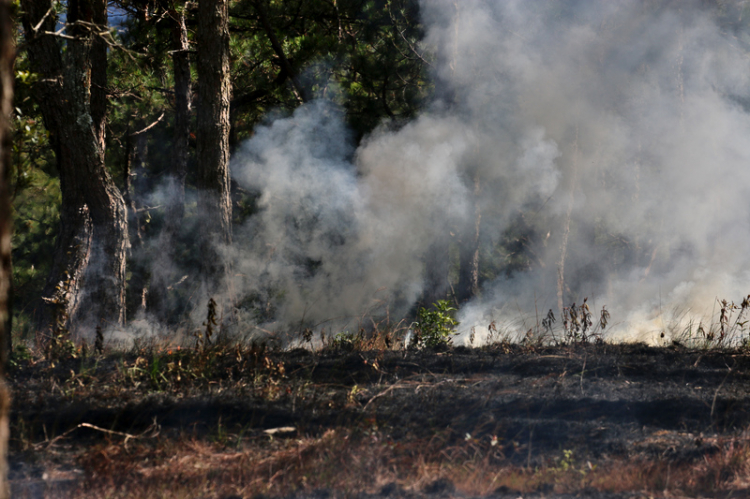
{"type": "Point", "coordinates": [19, 356]}
{"type": "Point", "coordinates": [345, 341]}
{"type": "Point", "coordinates": [435, 328]}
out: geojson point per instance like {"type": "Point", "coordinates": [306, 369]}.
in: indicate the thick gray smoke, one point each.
{"type": "Point", "coordinates": [615, 132]}
{"type": "Point", "coordinates": [341, 233]}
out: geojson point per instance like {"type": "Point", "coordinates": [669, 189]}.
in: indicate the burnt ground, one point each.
{"type": "Point", "coordinates": [546, 408]}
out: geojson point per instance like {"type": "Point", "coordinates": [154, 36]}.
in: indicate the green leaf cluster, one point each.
{"type": "Point", "coordinates": [436, 327]}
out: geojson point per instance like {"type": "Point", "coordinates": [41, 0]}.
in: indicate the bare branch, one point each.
{"type": "Point", "coordinates": [403, 37]}
{"type": "Point", "coordinates": [44, 17]}
{"type": "Point", "coordinates": [149, 127]}
{"type": "Point", "coordinates": [94, 29]}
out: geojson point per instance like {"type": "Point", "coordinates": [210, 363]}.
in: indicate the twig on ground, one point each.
{"type": "Point", "coordinates": [153, 429]}
{"type": "Point", "coordinates": [384, 392]}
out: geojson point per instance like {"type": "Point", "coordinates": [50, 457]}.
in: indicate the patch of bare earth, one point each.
{"type": "Point", "coordinates": [609, 421]}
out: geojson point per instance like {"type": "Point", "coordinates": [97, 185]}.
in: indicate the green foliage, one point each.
{"type": "Point", "coordinates": [362, 54]}
{"type": "Point", "coordinates": [435, 328]}
{"type": "Point", "coordinates": [36, 198]}
{"type": "Point", "coordinates": [19, 356]}
{"type": "Point", "coordinates": [346, 341]}
{"type": "Point", "coordinates": [36, 217]}
{"type": "Point", "coordinates": [159, 368]}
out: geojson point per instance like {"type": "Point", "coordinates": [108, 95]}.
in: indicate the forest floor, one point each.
{"type": "Point", "coordinates": [508, 421]}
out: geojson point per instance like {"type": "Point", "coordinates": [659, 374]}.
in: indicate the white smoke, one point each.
{"type": "Point", "coordinates": [629, 116]}
{"type": "Point", "coordinates": [340, 234]}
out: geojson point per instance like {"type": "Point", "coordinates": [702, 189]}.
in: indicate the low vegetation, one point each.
{"type": "Point", "coordinates": [368, 414]}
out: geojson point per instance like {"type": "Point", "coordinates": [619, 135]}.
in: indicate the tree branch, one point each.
{"type": "Point", "coordinates": [263, 15]}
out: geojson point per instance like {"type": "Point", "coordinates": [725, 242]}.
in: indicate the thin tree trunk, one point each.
{"type": "Point", "coordinates": [182, 89]}
{"type": "Point", "coordinates": [7, 55]}
{"type": "Point", "coordinates": [99, 76]}
{"type": "Point", "coordinates": [134, 178]}
{"type": "Point", "coordinates": [127, 182]}
{"type": "Point", "coordinates": [566, 230]}
{"type": "Point", "coordinates": [213, 135]}
{"type": "Point", "coordinates": [468, 272]}
{"type": "Point", "coordinates": [162, 275]}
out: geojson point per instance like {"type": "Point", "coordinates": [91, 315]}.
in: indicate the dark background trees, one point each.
{"type": "Point", "coordinates": [127, 112]}
{"type": "Point", "coordinates": [99, 98]}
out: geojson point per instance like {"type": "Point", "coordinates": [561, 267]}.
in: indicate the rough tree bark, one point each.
{"type": "Point", "coordinates": [7, 55]}
{"type": "Point", "coordinates": [93, 223]}
{"type": "Point", "coordinates": [212, 134]}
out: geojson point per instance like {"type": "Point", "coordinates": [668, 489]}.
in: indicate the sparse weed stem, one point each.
{"type": "Point", "coordinates": [211, 325]}
{"type": "Point", "coordinates": [547, 324]}
{"type": "Point", "coordinates": [578, 324]}
{"type": "Point", "coordinates": [732, 321]}
{"type": "Point", "coordinates": [727, 328]}
{"type": "Point", "coordinates": [377, 335]}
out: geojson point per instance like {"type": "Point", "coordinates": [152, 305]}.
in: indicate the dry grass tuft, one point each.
{"type": "Point", "coordinates": [350, 462]}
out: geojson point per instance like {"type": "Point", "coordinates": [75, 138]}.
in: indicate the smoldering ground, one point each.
{"type": "Point", "coordinates": [609, 141]}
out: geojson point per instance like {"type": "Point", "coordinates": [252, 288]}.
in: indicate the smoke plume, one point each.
{"type": "Point", "coordinates": [616, 134]}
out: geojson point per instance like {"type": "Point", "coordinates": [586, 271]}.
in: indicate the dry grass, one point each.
{"type": "Point", "coordinates": [356, 459]}
{"type": "Point", "coordinates": [348, 462]}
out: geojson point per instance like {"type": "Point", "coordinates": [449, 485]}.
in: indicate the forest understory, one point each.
{"type": "Point", "coordinates": [505, 421]}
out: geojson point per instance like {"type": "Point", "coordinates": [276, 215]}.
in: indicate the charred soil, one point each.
{"type": "Point", "coordinates": [505, 421]}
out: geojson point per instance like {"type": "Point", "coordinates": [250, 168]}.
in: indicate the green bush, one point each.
{"type": "Point", "coordinates": [435, 328]}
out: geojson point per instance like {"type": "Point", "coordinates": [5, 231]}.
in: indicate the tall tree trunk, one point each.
{"type": "Point", "coordinates": [89, 194]}
{"type": "Point", "coordinates": [73, 244]}
{"type": "Point", "coordinates": [7, 54]}
{"type": "Point", "coordinates": [136, 145]}
{"type": "Point", "coordinates": [106, 275]}
{"type": "Point", "coordinates": [182, 103]}
{"type": "Point", "coordinates": [162, 275]}
{"type": "Point", "coordinates": [468, 272]}
{"type": "Point", "coordinates": [213, 134]}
